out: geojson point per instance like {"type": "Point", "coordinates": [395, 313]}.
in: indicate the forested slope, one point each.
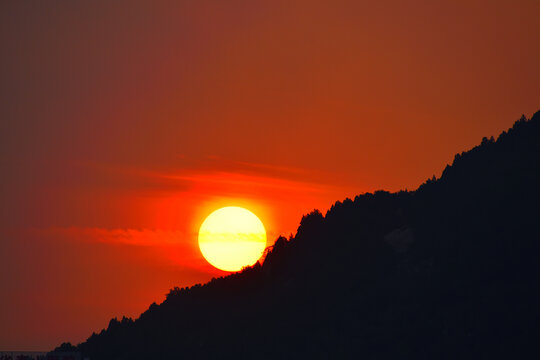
{"type": "Point", "coordinates": [448, 271]}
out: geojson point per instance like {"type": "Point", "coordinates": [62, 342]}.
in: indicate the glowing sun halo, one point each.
{"type": "Point", "coordinates": [231, 238]}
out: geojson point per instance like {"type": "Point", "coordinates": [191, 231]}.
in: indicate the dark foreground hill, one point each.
{"type": "Point", "coordinates": [449, 271]}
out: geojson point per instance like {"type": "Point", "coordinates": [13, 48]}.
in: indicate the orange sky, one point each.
{"type": "Point", "coordinates": [122, 125]}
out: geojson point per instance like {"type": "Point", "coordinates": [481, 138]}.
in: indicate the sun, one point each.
{"type": "Point", "coordinates": [231, 238]}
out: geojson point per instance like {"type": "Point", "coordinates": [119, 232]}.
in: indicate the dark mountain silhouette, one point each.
{"type": "Point", "coordinates": [449, 271]}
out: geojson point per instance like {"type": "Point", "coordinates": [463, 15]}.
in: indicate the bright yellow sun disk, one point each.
{"type": "Point", "coordinates": [231, 238]}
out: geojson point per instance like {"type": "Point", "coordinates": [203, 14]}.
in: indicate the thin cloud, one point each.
{"type": "Point", "coordinates": [222, 175]}
{"type": "Point", "coordinates": [176, 247]}
{"type": "Point", "coordinates": [135, 237]}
